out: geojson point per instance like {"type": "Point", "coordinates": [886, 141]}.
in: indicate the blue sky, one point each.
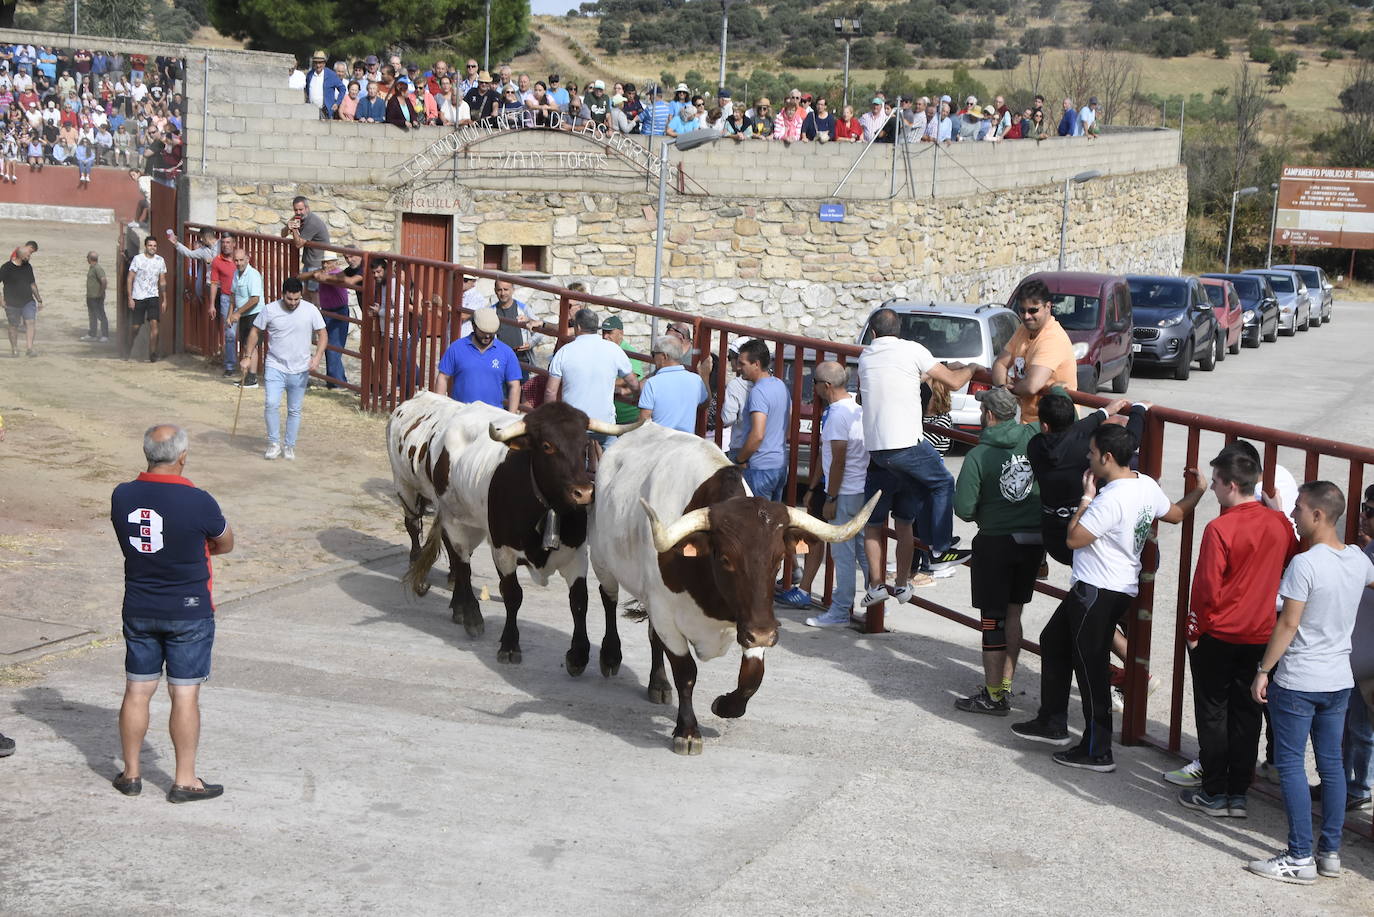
{"type": "Point", "coordinates": [553, 7]}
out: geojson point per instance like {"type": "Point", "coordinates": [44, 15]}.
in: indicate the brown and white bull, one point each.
{"type": "Point", "coordinates": [519, 482]}
{"type": "Point", "coordinates": [675, 525]}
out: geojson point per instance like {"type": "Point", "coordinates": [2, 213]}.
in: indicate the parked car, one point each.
{"type": "Point", "coordinates": [1226, 306]}
{"type": "Point", "coordinates": [1095, 310]}
{"type": "Point", "coordinates": [1295, 307]}
{"type": "Point", "coordinates": [956, 333]}
{"type": "Point", "coordinates": [1260, 305]}
{"type": "Point", "coordinates": [1319, 289]}
{"type": "Point", "coordinates": [1174, 324]}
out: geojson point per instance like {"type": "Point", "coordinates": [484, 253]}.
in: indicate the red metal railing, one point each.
{"type": "Point", "coordinates": [428, 319]}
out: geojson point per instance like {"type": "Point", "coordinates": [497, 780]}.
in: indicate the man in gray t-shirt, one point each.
{"type": "Point", "coordinates": [305, 226]}
{"type": "Point", "coordinates": [764, 453]}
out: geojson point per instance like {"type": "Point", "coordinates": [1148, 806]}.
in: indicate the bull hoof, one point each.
{"type": "Point", "coordinates": [609, 668]}
{"type": "Point", "coordinates": [686, 745]}
{"type": "Point", "coordinates": [509, 656]}
{"type": "Point", "coordinates": [726, 707]}
{"type": "Point", "coordinates": [422, 589]}
{"type": "Point", "coordinates": [574, 668]}
{"type": "Point", "coordinates": [472, 623]}
{"type": "Point", "coordinates": [660, 694]}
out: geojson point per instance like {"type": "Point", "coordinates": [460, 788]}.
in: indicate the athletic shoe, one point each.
{"type": "Point", "coordinates": [6, 746]}
{"type": "Point", "coordinates": [30, 353]}
{"type": "Point", "coordinates": [249, 381]}
{"type": "Point", "coordinates": [794, 598]}
{"type": "Point", "coordinates": [982, 702]}
{"type": "Point", "coordinates": [1204, 802]}
{"type": "Point", "coordinates": [1268, 771]}
{"type": "Point", "coordinates": [1237, 805]}
{"type": "Point", "coordinates": [289, 453]}
{"type": "Point", "coordinates": [1152, 685]}
{"type": "Point", "coordinates": [1357, 803]}
{"type": "Point", "coordinates": [229, 374]}
{"type": "Point", "coordinates": [1189, 775]}
{"type": "Point", "coordinates": [273, 451]}
{"type": "Point", "coordinates": [1038, 730]}
{"type": "Point", "coordinates": [947, 572]}
{"type": "Point", "coordinates": [87, 339]}
{"type": "Point", "coordinates": [152, 358]}
{"type": "Point", "coordinates": [873, 596]}
{"type": "Point", "coordinates": [905, 593]}
{"type": "Point", "coordinates": [829, 619]}
{"type": "Point", "coordinates": [950, 558]}
{"type": "Point", "coordinates": [1118, 699]}
{"type": "Point", "coordinates": [104, 339]}
{"type": "Point", "coordinates": [1329, 864]}
{"type": "Point", "coordinates": [1285, 868]}
{"type": "Point", "coordinates": [1074, 757]}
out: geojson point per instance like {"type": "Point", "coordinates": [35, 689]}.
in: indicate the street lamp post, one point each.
{"type": "Point", "coordinates": [1273, 223]}
{"type": "Point", "coordinates": [847, 29]}
{"type": "Point", "coordinates": [1078, 179]}
{"type": "Point", "coordinates": [724, 31]}
{"type": "Point", "coordinates": [684, 142]}
{"type": "Point", "coordinates": [486, 42]}
{"type": "Point", "coordinates": [1231, 227]}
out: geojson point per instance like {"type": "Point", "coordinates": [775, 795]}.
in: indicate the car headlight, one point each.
{"type": "Point", "coordinates": [1171, 322]}
{"type": "Point", "coordinates": [1286, 310]}
{"type": "Point", "coordinates": [1249, 316]}
{"type": "Point", "coordinates": [1080, 350]}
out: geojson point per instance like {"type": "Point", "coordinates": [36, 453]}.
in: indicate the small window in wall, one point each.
{"type": "Point", "coordinates": [534, 258]}
{"type": "Point", "coordinates": [493, 256]}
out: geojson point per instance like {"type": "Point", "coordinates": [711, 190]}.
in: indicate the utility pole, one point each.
{"type": "Point", "coordinates": [486, 42]}
{"type": "Point", "coordinates": [724, 31]}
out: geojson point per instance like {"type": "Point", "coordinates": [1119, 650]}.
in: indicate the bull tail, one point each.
{"type": "Point", "coordinates": [418, 572]}
{"type": "Point", "coordinates": [635, 611]}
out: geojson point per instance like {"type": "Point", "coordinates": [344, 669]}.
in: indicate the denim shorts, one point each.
{"type": "Point", "coordinates": [183, 646]}
{"type": "Point", "coordinates": [18, 315]}
{"type": "Point", "coordinates": [899, 502]}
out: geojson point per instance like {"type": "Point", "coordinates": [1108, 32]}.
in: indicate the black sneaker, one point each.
{"type": "Point", "coordinates": [1038, 730]}
{"type": "Point", "coordinates": [229, 374]}
{"type": "Point", "coordinates": [152, 358]}
{"type": "Point", "coordinates": [129, 787]}
{"type": "Point", "coordinates": [6, 746]}
{"type": "Point", "coordinates": [250, 381]}
{"type": "Point", "coordinates": [982, 702]}
{"type": "Point", "coordinates": [950, 558]}
{"type": "Point", "coordinates": [192, 793]}
{"type": "Point", "coordinates": [1078, 758]}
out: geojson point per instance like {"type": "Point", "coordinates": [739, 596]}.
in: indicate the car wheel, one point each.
{"type": "Point", "coordinates": [1306, 322]}
{"type": "Point", "coordinates": [1235, 348]}
{"type": "Point", "coordinates": [1185, 364]}
{"type": "Point", "coordinates": [1123, 378]}
{"type": "Point", "coordinates": [1208, 361]}
{"type": "Point", "coordinates": [1219, 341]}
{"type": "Point", "coordinates": [1273, 336]}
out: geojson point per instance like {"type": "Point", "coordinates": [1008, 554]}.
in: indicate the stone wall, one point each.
{"type": "Point", "coordinates": [772, 262]}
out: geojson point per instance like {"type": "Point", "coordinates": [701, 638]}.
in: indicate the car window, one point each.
{"type": "Point", "coordinates": [947, 337]}
{"type": "Point", "coordinates": [1216, 294]}
{"type": "Point", "coordinates": [1075, 313]}
{"type": "Point", "coordinates": [1154, 294]}
{"type": "Point", "coordinates": [1310, 278]}
{"type": "Point", "coordinates": [1003, 327]}
{"type": "Point", "coordinates": [1280, 283]}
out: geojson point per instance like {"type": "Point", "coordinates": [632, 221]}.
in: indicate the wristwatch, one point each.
{"type": "Point", "coordinates": [831, 498]}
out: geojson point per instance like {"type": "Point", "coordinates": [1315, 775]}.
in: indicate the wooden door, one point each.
{"type": "Point", "coordinates": [427, 235]}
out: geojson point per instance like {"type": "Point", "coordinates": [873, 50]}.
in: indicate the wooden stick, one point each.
{"type": "Point", "coordinates": [235, 429]}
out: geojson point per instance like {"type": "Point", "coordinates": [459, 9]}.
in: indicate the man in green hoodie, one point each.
{"type": "Point", "coordinates": [997, 491]}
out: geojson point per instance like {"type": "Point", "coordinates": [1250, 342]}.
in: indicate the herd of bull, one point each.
{"type": "Point", "coordinates": [665, 515]}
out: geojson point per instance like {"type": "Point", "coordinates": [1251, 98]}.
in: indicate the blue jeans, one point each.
{"type": "Point", "coordinates": [766, 482]}
{"type": "Point", "coordinates": [1293, 716]}
{"type": "Point", "coordinates": [920, 470]}
{"type": "Point", "coordinates": [1357, 748]}
{"type": "Point", "coordinates": [275, 382]}
{"type": "Point", "coordinates": [847, 555]}
{"type": "Point", "coordinates": [337, 329]}
{"type": "Point", "coordinates": [231, 332]}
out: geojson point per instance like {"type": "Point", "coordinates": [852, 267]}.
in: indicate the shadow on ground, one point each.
{"type": "Point", "coordinates": [90, 729]}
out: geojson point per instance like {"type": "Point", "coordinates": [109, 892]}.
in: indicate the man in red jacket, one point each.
{"type": "Point", "coordinates": [1243, 554]}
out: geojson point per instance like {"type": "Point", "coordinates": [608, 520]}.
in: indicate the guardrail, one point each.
{"type": "Point", "coordinates": [429, 319]}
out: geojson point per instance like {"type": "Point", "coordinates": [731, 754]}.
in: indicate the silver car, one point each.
{"type": "Point", "coordinates": [1295, 305]}
{"type": "Point", "coordinates": [1319, 289]}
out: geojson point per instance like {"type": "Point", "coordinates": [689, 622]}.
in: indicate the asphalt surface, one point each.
{"type": "Point", "coordinates": [378, 760]}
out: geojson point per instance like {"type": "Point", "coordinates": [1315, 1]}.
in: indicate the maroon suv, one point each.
{"type": "Point", "coordinates": [1095, 310]}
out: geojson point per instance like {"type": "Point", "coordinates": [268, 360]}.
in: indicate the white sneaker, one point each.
{"type": "Point", "coordinates": [829, 619]}
{"type": "Point", "coordinates": [104, 339]}
{"type": "Point", "coordinates": [907, 592]}
{"type": "Point", "coordinates": [273, 451]}
{"type": "Point", "coordinates": [1189, 775]}
{"type": "Point", "coordinates": [289, 453]}
{"type": "Point", "coordinates": [1118, 700]}
{"type": "Point", "coordinates": [878, 593]}
{"type": "Point", "coordinates": [1285, 868]}
{"type": "Point", "coordinates": [87, 339]}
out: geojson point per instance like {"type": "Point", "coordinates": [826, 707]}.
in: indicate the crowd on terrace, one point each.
{"type": "Point", "coordinates": [83, 107]}
{"type": "Point", "coordinates": [408, 97]}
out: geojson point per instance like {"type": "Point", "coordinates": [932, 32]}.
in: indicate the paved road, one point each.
{"type": "Point", "coordinates": [378, 760]}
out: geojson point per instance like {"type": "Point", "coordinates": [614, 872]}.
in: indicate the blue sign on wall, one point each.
{"type": "Point", "coordinates": [832, 213]}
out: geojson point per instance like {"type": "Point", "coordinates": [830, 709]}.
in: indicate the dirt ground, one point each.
{"type": "Point", "coordinates": [75, 416]}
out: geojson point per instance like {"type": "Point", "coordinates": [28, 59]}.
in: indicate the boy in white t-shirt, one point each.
{"type": "Point", "coordinates": [1107, 534]}
{"type": "Point", "coordinates": [1309, 657]}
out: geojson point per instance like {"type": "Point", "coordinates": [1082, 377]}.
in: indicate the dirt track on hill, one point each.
{"type": "Point", "coordinates": [75, 416]}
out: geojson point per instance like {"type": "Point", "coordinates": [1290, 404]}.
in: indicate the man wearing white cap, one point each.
{"type": "Point", "coordinates": [481, 368]}
{"type": "Point", "coordinates": [596, 105]}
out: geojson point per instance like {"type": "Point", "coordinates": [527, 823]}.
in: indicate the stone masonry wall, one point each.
{"type": "Point", "coordinates": [772, 262]}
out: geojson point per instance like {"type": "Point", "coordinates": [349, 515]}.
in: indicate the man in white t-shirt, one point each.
{"type": "Point", "coordinates": [290, 324]}
{"type": "Point", "coordinates": [1106, 533]}
{"type": "Point", "coordinates": [588, 372]}
{"type": "Point", "coordinates": [147, 292]}
{"type": "Point", "coordinates": [1309, 657]}
{"type": "Point", "coordinates": [890, 373]}
{"type": "Point", "coordinates": [844, 467]}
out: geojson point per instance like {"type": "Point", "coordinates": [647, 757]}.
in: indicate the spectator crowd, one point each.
{"type": "Point", "coordinates": [83, 108]}
{"type": "Point", "coordinates": [408, 97]}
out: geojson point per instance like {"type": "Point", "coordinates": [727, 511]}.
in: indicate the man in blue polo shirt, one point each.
{"type": "Point", "coordinates": [481, 368]}
{"type": "Point", "coordinates": [764, 453]}
{"type": "Point", "coordinates": [670, 396]}
{"type": "Point", "coordinates": [168, 530]}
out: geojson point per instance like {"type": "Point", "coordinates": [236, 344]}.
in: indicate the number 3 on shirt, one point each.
{"type": "Point", "coordinates": [149, 537]}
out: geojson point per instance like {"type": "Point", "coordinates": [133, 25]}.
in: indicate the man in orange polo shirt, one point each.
{"type": "Point", "coordinates": [1038, 355]}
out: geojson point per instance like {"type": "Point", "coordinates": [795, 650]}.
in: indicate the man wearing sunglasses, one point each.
{"type": "Point", "coordinates": [1038, 355]}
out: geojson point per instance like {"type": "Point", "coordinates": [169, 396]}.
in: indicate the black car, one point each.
{"type": "Point", "coordinates": [1174, 324]}
{"type": "Point", "coordinates": [1260, 304]}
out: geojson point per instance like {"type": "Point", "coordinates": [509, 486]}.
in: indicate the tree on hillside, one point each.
{"type": "Point", "coordinates": [1352, 144]}
{"type": "Point", "coordinates": [1112, 76]}
{"type": "Point", "coordinates": [1283, 68]}
{"type": "Point", "coordinates": [360, 27]}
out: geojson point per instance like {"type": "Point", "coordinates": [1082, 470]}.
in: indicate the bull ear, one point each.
{"type": "Point", "coordinates": [695, 545]}
{"type": "Point", "coordinates": [800, 542]}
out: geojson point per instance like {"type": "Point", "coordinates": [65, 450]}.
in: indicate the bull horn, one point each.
{"type": "Point", "coordinates": [833, 533]}
{"type": "Point", "coordinates": [612, 429]}
{"type": "Point", "coordinates": [507, 433]}
{"type": "Point", "coordinates": [666, 536]}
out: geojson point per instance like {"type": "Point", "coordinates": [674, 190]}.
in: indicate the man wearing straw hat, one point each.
{"type": "Point", "coordinates": [323, 88]}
